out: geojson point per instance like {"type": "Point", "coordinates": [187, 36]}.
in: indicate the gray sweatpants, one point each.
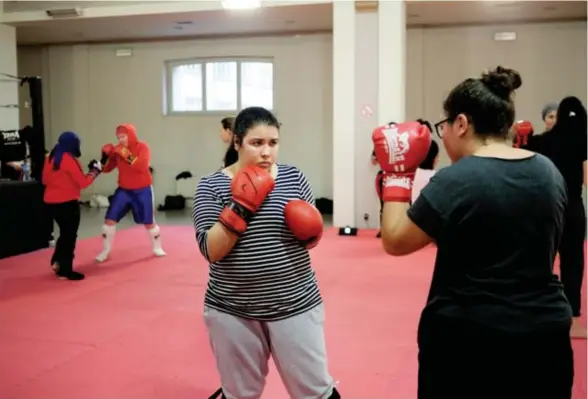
{"type": "Point", "coordinates": [242, 349]}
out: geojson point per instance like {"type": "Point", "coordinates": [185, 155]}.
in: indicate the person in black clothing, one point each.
{"type": "Point", "coordinates": [565, 144]}
{"type": "Point", "coordinates": [226, 134]}
{"type": "Point", "coordinates": [548, 115]}
{"type": "Point", "coordinates": [496, 323]}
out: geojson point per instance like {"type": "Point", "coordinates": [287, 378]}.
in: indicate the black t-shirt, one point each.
{"type": "Point", "coordinates": [497, 224]}
{"type": "Point", "coordinates": [567, 151]}
{"type": "Point", "coordinates": [13, 144]}
{"type": "Point", "coordinates": [13, 148]}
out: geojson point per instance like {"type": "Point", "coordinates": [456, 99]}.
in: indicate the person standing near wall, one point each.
{"type": "Point", "coordinates": [549, 115]}
{"type": "Point", "coordinates": [565, 145]}
{"type": "Point", "coordinates": [226, 135]}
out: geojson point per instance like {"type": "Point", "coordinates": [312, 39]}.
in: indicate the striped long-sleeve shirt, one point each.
{"type": "Point", "coordinates": [267, 275]}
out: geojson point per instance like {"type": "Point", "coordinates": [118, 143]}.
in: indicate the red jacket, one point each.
{"type": "Point", "coordinates": [133, 172]}
{"type": "Point", "coordinates": [66, 183]}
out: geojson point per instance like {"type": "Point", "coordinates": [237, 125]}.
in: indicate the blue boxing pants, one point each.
{"type": "Point", "coordinates": [139, 201]}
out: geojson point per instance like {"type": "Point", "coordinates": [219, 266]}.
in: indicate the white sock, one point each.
{"type": "Point", "coordinates": [154, 233]}
{"type": "Point", "coordinates": [108, 232]}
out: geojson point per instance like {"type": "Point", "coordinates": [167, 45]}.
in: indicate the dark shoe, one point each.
{"type": "Point", "coordinates": [335, 394]}
{"type": "Point", "coordinates": [379, 235]}
{"type": "Point", "coordinates": [218, 394]}
{"type": "Point", "coordinates": [74, 276]}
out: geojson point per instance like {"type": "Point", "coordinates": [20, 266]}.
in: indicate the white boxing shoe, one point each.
{"type": "Point", "coordinates": [102, 256]}
{"type": "Point", "coordinates": [159, 252]}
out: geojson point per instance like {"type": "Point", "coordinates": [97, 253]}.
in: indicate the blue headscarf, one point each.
{"type": "Point", "coordinates": [68, 142]}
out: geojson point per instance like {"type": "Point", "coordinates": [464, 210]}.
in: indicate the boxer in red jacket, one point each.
{"type": "Point", "coordinates": [134, 193]}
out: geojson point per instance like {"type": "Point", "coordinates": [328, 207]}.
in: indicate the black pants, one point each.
{"type": "Point", "coordinates": [458, 360]}
{"type": "Point", "coordinates": [571, 253]}
{"type": "Point", "coordinates": [462, 362]}
{"type": "Point", "coordinates": [67, 217]}
{"type": "Point", "coordinates": [381, 183]}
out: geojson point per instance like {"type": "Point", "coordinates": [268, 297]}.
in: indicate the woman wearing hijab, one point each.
{"type": "Point", "coordinates": [64, 180]}
{"type": "Point", "coordinates": [565, 145]}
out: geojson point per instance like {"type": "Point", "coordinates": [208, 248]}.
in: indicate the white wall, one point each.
{"type": "Point", "coordinates": [89, 90]}
{"type": "Point", "coordinates": [8, 90]}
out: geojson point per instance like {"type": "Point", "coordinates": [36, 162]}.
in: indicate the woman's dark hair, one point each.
{"type": "Point", "coordinates": [571, 116]}
{"type": "Point", "coordinates": [429, 162]}
{"type": "Point", "coordinates": [231, 156]}
{"type": "Point", "coordinates": [227, 123]}
{"type": "Point", "coordinates": [486, 102]}
{"type": "Point", "coordinates": [247, 119]}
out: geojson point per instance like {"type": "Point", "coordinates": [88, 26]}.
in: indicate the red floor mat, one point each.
{"type": "Point", "coordinates": [133, 329]}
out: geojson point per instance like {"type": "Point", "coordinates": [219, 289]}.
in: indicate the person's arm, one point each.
{"type": "Point", "coordinates": [140, 159]}
{"type": "Point", "coordinates": [400, 235]}
{"type": "Point", "coordinates": [214, 240]}
{"type": "Point", "coordinates": [407, 229]}
{"type": "Point", "coordinates": [74, 169]}
{"type": "Point", "coordinates": [110, 165]}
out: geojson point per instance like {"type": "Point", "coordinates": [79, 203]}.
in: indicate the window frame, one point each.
{"type": "Point", "coordinates": [168, 83]}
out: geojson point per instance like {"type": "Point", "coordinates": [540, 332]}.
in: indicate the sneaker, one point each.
{"type": "Point", "coordinates": [74, 276]}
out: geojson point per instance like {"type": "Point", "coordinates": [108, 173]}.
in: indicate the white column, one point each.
{"type": "Point", "coordinates": [343, 113]}
{"type": "Point", "coordinates": [391, 61]}
{"type": "Point", "coordinates": [366, 110]}
{"type": "Point", "coordinates": [9, 117]}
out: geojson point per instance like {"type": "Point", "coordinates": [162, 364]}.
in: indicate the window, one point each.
{"type": "Point", "coordinates": [187, 88]}
{"type": "Point", "coordinates": [257, 84]}
{"type": "Point", "coordinates": [218, 85]}
{"type": "Point", "coordinates": [221, 86]}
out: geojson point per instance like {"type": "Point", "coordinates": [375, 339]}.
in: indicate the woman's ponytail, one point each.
{"type": "Point", "coordinates": [231, 156]}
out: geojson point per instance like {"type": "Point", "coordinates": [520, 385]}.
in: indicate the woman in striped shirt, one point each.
{"type": "Point", "coordinates": [262, 296]}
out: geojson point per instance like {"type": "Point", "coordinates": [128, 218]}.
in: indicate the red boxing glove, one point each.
{"type": "Point", "coordinates": [250, 187]}
{"type": "Point", "coordinates": [125, 154]}
{"type": "Point", "coordinates": [107, 151]}
{"type": "Point", "coordinates": [400, 149]}
{"type": "Point", "coordinates": [523, 132]}
{"type": "Point", "coordinates": [305, 221]}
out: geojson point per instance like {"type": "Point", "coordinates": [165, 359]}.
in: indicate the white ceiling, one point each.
{"type": "Point", "coordinates": [267, 20]}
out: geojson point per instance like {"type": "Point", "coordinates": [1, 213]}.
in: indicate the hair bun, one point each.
{"type": "Point", "coordinates": [502, 81]}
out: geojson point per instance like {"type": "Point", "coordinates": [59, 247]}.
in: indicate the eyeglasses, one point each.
{"type": "Point", "coordinates": [439, 127]}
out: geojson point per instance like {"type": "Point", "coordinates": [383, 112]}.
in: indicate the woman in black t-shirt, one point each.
{"type": "Point", "coordinates": [565, 146]}
{"type": "Point", "coordinates": [496, 323]}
